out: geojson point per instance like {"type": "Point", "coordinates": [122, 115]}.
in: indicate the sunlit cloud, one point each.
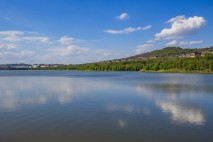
{"type": "Point", "coordinates": [122, 16]}
{"type": "Point", "coordinates": [67, 40]}
{"type": "Point", "coordinates": [23, 54]}
{"type": "Point", "coordinates": [36, 39]}
{"type": "Point", "coordinates": [181, 26]}
{"type": "Point", "coordinates": [8, 45]}
{"type": "Point", "coordinates": [127, 30]}
{"type": "Point", "coordinates": [15, 36]}
{"type": "Point", "coordinates": [11, 35]}
{"type": "Point", "coordinates": [70, 50]}
{"type": "Point", "coordinates": [32, 48]}
{"type": "Point", "coordinates": [181, 43]}
{"type": "Point", "coordinates": [143, 48]}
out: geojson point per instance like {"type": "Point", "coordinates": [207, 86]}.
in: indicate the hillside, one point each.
{"type": "Point", "coordinates": [169, 52]}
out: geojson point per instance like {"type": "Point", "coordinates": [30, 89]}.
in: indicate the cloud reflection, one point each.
{"type": "Point", "coordinates": [122, 123]}
{"type": "Point", "coordinates": [124, 108]}
{"type": "Point", "coordinates": [183, 114]}
{"type": "Point", "coordinates": [127, 108]}
{"type": "Point", "coordinates": [18, 91]}
{"type": "Point", "coordinates": [175, 99]}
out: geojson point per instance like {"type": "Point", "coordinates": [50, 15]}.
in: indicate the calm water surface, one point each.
{"type": "Point", "coordinates": [65, 106]}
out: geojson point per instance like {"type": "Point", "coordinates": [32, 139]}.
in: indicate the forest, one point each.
{"type": "Point", "coordinates": [197, 64]}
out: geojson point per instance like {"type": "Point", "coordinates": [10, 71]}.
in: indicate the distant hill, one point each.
{"type": "Point", "coordinates": [16, 65]}
{"type": "Point", "coordinates": [169, 52]}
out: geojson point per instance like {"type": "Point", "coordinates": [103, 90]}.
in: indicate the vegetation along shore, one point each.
{"type": "Point", "coordinates": [169, 59]}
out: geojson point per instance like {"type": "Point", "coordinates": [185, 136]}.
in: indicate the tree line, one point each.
{"type": "Point", "coordinates": [197, 64]}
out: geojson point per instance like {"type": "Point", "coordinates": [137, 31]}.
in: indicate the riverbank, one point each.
{"type": "Point", "coordinates": [142, 70]}
{"type": "Point", "coordinates": [179, 71]}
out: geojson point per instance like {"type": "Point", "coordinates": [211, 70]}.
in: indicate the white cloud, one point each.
{"type": "Point", "coordinates": [182, 27]}
{"type": "Point", "coordinates": [190, 42]}
{"type": "Point", "coordinates": [127, 30]}
{"type": "Point", "coordinates": [76, 54]}
{"type": "Point", "coordinates": [62, 50]}
{"type": "Point", "coordinates": [24, 54]}
{"type": "Point", "coordinates": [172, 43]}
{"type": "Point", "coordinates": [122, 16]}
{"type": "Point", "coordinates": [70, 50]}
{"type": "Point", "coordinates": [14, 36]}
{"type": "Point", "coordinates": [82, 51]}
{"type": "Point", "coordinates": [108, 53]}
{"type": "Point", "coordinates": [7, 46]}
{"type": "Point", "coordinates": [11, 35]}
{"type": "Point", "coordinates": [177, 18]}
{"type": "Point", "coordinates": [146, 27]}
{"type": "Point", "coordinates": [36, 39]}
{"type": "Point", "coordinates": [150, 41]}
{"type": "Point", "coordinates": [67, 40]}
{"type": "Point", "coordinates": [143, 48]}
{"type": "Point", "coordinates": [176, 43]}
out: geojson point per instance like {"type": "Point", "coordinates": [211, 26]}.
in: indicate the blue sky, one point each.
{"type": "Point", "coordinates": [80, 31]}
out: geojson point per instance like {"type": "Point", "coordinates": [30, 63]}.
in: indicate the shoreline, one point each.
{"type": "Point", "coordinates": [144, 71]}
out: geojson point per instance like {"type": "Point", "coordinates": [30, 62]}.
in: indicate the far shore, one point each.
{"type": "Point", "coordinates": [145, 71]}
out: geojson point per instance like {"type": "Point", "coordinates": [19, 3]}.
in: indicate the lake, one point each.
{"type": "Point", "coordinates": [65, 106]}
